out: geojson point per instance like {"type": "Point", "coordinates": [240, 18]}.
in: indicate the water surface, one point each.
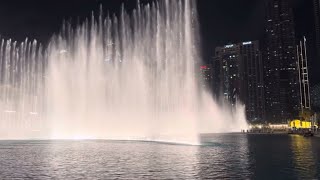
{"type": "Point", "coordinates": [233, 156]}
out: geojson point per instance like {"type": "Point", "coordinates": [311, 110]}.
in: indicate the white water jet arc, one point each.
{"type": "Point", "coordinates": [131, 77]}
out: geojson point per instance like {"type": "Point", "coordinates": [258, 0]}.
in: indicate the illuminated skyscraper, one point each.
{"type": "Point", "coordinates": [280, 63]}
{"type": "Point", "coordinates": [227, 72]}
{"type": "Point", "coordinates": [238, 77]}
{"type": "Point", "coordinates": [316, 8]}
{"type": "Point", "coordinates": [315, 98]}
{"type": "Point", "coordinates": [206, 76]}
{"type": "Point", "coordinates": [252, 91]}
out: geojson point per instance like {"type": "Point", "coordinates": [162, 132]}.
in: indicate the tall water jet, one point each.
{"type": "Point", "coordinates": [126, 77]}
{"type": "Point", "coordinates": [21, 89]}
{"type": "Point", "coordinates": [131, 76]}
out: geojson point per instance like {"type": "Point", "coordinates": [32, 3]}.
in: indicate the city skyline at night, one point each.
{"type": "Point", "coordinates": [159, 89]}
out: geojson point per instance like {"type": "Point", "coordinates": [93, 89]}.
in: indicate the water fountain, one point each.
{"type": "Point", "coordinates": [21, 88]}
{"type": "Point", "coordinates": [129, 77]}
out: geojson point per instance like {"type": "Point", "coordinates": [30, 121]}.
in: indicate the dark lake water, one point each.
{"type": "Point", "coordinates": [231, 156]}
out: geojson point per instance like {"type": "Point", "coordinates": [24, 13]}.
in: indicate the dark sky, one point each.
{"type": "Point", "coordinates": [221, 21]}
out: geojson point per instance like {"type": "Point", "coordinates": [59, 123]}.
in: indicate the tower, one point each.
{"type": "Point", "coordinates": [279, 59]}
{"type": "Point", "coordinates": [238, 74]}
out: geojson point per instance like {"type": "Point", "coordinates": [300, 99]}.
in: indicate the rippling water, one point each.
{"type": "Point", "coordinates": [222, 156]}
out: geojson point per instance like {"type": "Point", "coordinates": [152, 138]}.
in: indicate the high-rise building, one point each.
{"type": "Point", "coordinates": [280, 64]}
{"type": "Point", "coordinates": [314, 43]}
{"type": "Point", "coordinates": [206, 76]}
{"type": "Point", "coordinates": [315, 98]}
{"type": "Point", "coordinates": [238, 76]}
{"type": "Point", "coordinates": [227, 72]}
{"type": "Point", "coordinates": [316, 9]}
{"type": "Point", "coordinates": [252, 91]}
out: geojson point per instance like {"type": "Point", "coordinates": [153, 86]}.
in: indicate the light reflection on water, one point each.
{"type": "Point", "coordinates": [222, 156]}
{"type": "Point", "coordinates": [303, 157]}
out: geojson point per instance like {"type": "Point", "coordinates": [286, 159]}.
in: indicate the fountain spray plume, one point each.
{"type": "Point", "coordinates": [21, 88]}
{"type": "Point", "coordinates": [131, 77]}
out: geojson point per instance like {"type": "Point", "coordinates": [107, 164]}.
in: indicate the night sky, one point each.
{"type": "Point", "coordinates": [221, 21]}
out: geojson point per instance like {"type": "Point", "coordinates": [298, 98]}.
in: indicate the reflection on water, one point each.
{"type": "Point", "coordinates": [97, 160]}
{"type": "Point", "coordinates": [303, 157]}
{"type": "Point", "coordinates": [224, 156]}
{"type": "Point", "coordinates": [284, 157]}
{"type": "Point", "coordinates": [231, 156]}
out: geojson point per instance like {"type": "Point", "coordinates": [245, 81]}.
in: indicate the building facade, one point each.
{"type": "Point", "coordinates": [314, 44]}
{"type": "Point", "coordinates": [206, 74]}
{"type": "Point", "coordinates": [252, 91]}
{"type": "Point", "coordinates": [280, 64]}
{"type": "Point", "coordinates": [315, 98]}
{"type": "Point", "coordinates": [316, 9]}
{"type": "Point", "coordinates": [238, 77]}
{"type": "Point", "coordinates": [227, 72]}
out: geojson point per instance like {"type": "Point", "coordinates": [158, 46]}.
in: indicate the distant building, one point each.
{"type": "Point", "coordinates": [206, 76]}
{"type": "Point", "coordinates": [315, 98]}
{"type": "Point", "coordinates": [280, 64]}
{"type": "Point", "coordinates": [252, 90]}
{"type": "Point", "coordinates": [314, 43]}
{"type": "Point", "coordinates": [238, 76]}
{"type": "Point", "coordinates": [227, 72]}
{"type": "Point", "coordinates": [316, 8]}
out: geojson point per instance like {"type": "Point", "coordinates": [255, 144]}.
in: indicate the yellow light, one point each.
{"type": "Point", "coordinates": [298, 124]}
